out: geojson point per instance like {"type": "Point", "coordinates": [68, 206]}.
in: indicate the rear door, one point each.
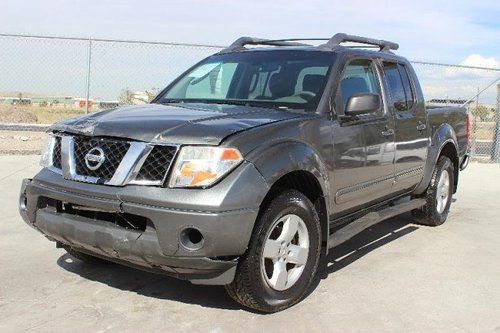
{"type": "Point", "coordinates": [410, 125]}
{"type": "Point", "coordinates": [364, 148]}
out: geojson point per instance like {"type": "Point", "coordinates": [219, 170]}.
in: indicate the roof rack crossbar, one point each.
{"type": "Point", "coordinates": [242, 41]}
{"type": "Point", "coordinates": [332, 43]}
{"type": "Point", "coordinates": [339, 38]}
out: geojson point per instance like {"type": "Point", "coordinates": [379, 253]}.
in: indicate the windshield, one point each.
{"type": "Point", "coordinates": [280, 78]}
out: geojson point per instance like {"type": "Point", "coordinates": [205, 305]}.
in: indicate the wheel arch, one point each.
{"type": "Point", "coordinates": [443, 143]}
{"type": "Point", "coordinates": [449, 150]}
{"type": "Point", "coordinates": [296, 165]}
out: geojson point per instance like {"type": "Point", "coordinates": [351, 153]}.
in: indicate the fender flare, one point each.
{"type": "Point", "coordinates": [288, 156]}
{"type": "Point", "coordinates": [442, 136]}
{"type": "Point", "coordinates": [293, 155]}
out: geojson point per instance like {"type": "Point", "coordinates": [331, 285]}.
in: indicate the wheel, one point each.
{"type": "Point", "coordinates": [438, 195]}
{"type": "Point", "coordinates": [282, 258]}
{"type": "Point", "coordinates": [85, 257]}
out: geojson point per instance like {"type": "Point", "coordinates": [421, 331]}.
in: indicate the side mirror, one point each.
{"type": "Point", "coordinates": [362, 103]}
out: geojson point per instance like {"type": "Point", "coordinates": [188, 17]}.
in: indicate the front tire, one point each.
{"type": "Point", "coordinates": [282, 258]}
{"type": "Point", "coordinates": [438, 195]}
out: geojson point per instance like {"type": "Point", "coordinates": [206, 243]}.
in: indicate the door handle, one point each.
{"type": "Point", "coordinates": [387, 132]}
{"type": "Point", "coordinates": [421, 126]}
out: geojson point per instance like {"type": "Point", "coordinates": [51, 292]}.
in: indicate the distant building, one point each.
{"type": "Point", "coordinates": [80, 103]}
{"type": "Point", "coordinates": [15, 101]}
{"type": "Point", "coordinates": [66, 101]}
{"type": "Point", "coordinates": [108, 104]}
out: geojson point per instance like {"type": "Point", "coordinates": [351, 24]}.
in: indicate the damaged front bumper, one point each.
{"type": "Point", "coordinates": [152, 220]}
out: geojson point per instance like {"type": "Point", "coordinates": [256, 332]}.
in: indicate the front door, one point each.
{"type": "Point", "coordinates": [363, 148]}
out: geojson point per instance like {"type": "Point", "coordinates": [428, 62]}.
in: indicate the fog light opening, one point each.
{"type": "Point", "coordinates": [191, 239]}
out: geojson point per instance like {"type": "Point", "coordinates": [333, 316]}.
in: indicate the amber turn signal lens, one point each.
{"type": "Point", "coordinates": [198, 166]}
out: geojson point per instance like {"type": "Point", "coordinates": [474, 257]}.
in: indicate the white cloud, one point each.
{"type": "Point", "coordinates": [477, 60]}
{"type": "Point", "coordinates": [441, 31]}
{"type": "Point", "coordinates": [474, 60]}
{"type": "Point", "coordinates": [460, 82]}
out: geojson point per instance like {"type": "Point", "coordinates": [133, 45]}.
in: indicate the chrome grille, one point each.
{"type": "Point", "coordinates": [125, 162]}
{"type": "Point", "coordinates": [157, 163]}
{"type": "Point", "coordinates": [114, 150]}
{"type": "Point", "coordinates": [56, 154]}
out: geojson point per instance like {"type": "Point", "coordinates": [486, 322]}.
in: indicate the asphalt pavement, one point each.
{"type": "Point", "coordinates": [394, 277]}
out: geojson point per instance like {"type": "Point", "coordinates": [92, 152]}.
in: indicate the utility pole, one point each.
{"type": "Point", "coordinates": [89, 62]}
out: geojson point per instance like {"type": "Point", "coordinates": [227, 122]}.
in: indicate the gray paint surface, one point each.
{"type": "Point", "coordinates": [175, 124]}
{"type": "Point", "coordinates": [355, 162]}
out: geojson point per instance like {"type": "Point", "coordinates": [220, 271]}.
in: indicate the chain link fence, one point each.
{"type": "Point", "coordinates": [476, 88]}
{"type": "Point", "coordinates": [45, 79]}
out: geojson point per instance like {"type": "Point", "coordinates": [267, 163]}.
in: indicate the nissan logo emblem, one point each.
{"type": "Point", "coordinates": [94, 158]}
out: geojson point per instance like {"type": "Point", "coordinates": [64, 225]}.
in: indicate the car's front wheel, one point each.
{"type": "Point", "coordinates": [282, 258]}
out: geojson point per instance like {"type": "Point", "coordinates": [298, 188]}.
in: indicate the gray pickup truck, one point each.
{"type": "Point", "coordinates": [251, 166]}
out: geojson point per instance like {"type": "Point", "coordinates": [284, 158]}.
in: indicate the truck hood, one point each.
{"type": "Point", "coordinates": [174, 123]}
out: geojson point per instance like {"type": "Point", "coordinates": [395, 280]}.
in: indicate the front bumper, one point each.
{"type": "Point", "coordinates": [224, 215]}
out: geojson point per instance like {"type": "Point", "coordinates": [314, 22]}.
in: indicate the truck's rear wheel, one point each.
{"type": "Point", "coordinates": [282, 258]}
{"type": "Point", "coordinates": [438, 195]}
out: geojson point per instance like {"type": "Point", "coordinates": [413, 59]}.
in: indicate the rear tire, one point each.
{"type": "Point", "coordinates": [282, 258]}
{"type": "Point", "coordinates": [438, 195]}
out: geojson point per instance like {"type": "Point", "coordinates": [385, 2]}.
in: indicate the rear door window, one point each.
{"type": "Point", "coordinates": [399, 85]}
{"type": "Point", "coordinates": [410, 98]}
{"type": "Point", "coordinates": [395, 85]}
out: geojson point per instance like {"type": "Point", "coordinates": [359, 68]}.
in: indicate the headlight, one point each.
{"type": "Point", "coordinates": [202, 166]}
{"type": "Point", "coordinates": [46, 159]}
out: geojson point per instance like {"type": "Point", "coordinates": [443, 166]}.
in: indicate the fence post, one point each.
{"type": "Point", "coordinates": [472, 116]}
{"type": "Point", "coordinates": [496, 139]}
{"type": "Point", "coordinates": [89, 61]}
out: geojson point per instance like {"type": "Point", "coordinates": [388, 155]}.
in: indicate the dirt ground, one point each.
{"type": "Point", "coordinates": [36, 114]}
{"type": "Point", "coordinates": [394, 277]}
{"type": "Point", "coordinates": [21, 142]}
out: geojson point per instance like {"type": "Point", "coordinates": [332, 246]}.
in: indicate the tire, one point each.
{"type": "Point", "coordinates": [86, 257]}
{"type": "Point", "coordinates": [434, 212]}
{"type": "Point", "coordinates": [273, 278]}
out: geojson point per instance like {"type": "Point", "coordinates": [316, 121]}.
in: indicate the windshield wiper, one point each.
{"type": "Point", "coordinates": [248, 103]}
{"type": "Point", "coordinates": [170, 101]}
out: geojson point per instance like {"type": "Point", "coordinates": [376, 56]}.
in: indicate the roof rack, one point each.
{"type": "Point", "coordinates": [337, 39]}
{"type": "Point", "coordinates": [331, 44]}
{"type": "Point", "coordinates": [240, 43]}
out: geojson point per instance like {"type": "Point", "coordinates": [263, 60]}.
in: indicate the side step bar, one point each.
{"type": "Point", "coordinates": [352, 229]}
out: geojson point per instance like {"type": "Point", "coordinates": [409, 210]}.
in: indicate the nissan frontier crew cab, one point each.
{"type": "Point", "coordinates": [250, 166]}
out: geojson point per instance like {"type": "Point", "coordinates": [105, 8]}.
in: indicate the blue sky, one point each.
{"type": "Point", "coordinates": [456, 32]}
{"type": "Point", "coordinates": [445, 31]}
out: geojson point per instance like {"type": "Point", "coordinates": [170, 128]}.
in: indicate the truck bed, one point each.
{"type": "Point", "coordinates": [454, 116]}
